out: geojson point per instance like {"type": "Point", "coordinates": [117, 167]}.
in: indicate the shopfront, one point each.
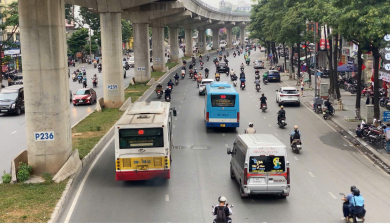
{"type": "Point", "coordinates": [12, 60]}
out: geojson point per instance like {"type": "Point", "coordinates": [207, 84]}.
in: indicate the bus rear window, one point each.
{"type": "Point", "coordinates": [266, 164]}
{"type": "Point", "coordinates": [223, 100]}
{"type": "Point", "coordinates": [141, 138]}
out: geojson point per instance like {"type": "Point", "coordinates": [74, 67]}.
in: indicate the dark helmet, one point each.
{"type": "Point", "coordinates": [353, 187]}
{"type": "Point", "coordinates": [356, 192]}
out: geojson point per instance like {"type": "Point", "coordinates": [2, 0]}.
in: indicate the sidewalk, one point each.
{"type": "Point", "coordinates": [340, 118]}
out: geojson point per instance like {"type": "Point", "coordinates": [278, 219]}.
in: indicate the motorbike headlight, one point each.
{"type": "Point", "coordinates": [13, 106]}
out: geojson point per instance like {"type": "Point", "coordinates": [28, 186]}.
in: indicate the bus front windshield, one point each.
{"type": "Point", "coordinates": [141, 138]}
{"type": "Point", "coordinates": [223, 100]}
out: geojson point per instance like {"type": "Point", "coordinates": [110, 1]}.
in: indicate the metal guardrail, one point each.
{"type": "Point", "coordinates": [200, 2]}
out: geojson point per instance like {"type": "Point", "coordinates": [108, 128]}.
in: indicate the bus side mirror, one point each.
{"type": "Point", "coordinates": [229, 151]}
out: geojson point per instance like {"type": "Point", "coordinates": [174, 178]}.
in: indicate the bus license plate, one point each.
{"type": "Point", "coordinates": [222, 125]}
{"type": "Point", "coordinates": [142, 167]}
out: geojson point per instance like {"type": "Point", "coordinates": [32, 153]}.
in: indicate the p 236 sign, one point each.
{"type": "Point", "coordinates": [44, 136]}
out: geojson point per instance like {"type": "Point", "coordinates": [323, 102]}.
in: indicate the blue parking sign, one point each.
{"type": "Point", "coordinates": [386, 116]}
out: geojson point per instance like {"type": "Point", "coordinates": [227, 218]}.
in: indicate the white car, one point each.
{"type": "Point", "coordinates": [202, 85]}
{"type": "Point", "coordinates": [288, 95]}
{"type": "Point", "coordinates": [130, 61]}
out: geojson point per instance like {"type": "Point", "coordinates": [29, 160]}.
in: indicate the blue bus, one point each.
{"type": "Point", "coordinates": [222, 106]}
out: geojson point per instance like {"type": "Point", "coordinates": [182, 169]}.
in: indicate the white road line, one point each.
{"type": "Point", "coordinates": [181, 101]}
{"type": "Point", "coordinates": [265, 118]}
{"type": "Point", "coordinates": [13, 132]}
{"type": "Point", "coordinates": [76, 198]}
{"type": "Point", "coordinates": [269, 125]}
{"type": "Point", "coordinates": [295, 158]}
{"type": "Point", "coordinates": [179, 106]}
{"type": "Point", "coordinates": [175, 118]}
{"type": "Point", "coordinates": [167, 197]}
{"type": "Point", "coordinates": [312, 175]}
{"type": "Point", "coordinates": [332, 195]}
{"type": "Point", "coordinates": [276, 134]}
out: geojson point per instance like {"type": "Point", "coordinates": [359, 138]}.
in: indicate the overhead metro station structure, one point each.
{"type": "Point", "coordinates": [43, 43]}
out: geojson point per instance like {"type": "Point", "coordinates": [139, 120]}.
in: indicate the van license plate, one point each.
{"type": "Point", "coordinates": [222, 125]}
{"type": "Point", "coordinates": [258, 180]}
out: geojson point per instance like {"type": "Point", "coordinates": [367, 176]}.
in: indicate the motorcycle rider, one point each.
{"type": "Point", "coordinates": [94, 79]}
{"type": "Point", "coordinates": [222, 211]}
{"type": "Point", "coordinates": [257, 83]}
{"type": "Point", "coordinates": [170, 84]}
{"type": "Point", "coordinates": [329, 105]}
{"type": "Point", "coordinates": [168, 93]}
{"type": "Point", "coordinates": [346, 203]}
{"type": "Point", "coordinates": [85, 82]}
{"type": "Point", "coordinates": [265, 76]}
{"type": "Point", "coordinates": [242, 80]}
{"type": "Point", "coordinates": [176, 77]}
{"type": "Point", "coordinates": [242, 74]}
{"type": "Point", "coordinates": [296, 134]}
{"type": "Point", "coordinates": [247, 60]}
{"type": "Point", "coordinates": [234, 54]}
{"type": "Point", "coordinates": [195, 72]}
{"type": "Point", "coordinates": [263, 100]}
{"type": "Point", "coordinates": [190, 66]}
{"type": "Point", "coordinates": [199, 78]}
{"type": "Point", "coordinates": [242, 66]}
{"type": "Point", "coordinates": [206, 71]}
{"type": "Point", "coordinates": [208, 57]}
{"type": "Point", "coordinates": [251, 129]}
{"type": "Point", "coordinates": [281, 113]}
{"type": "Point", "coordinates": [226, 61]}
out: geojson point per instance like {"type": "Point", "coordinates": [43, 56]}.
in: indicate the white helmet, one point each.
{"type": "Point", "coordinates": [222, 199]}
{"type": "Point", "coordinates": [250, 124]}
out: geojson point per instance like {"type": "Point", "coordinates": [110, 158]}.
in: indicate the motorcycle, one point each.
{"type": "Point", "coordinates": [74, 77]}
{"type": "Point", "coordinates": [234, 55]}
{"type": "Point", "coordinates": [257, 76]}
{"type": "Point", "coordinates": [191, 73]}
{"type": "Point", "coordinates": [383, 101]}
{"type": "Point", "coordinates": [282, 122]}
{"type": "Point", "coordinates": [94, 65]}
{"type": "Point", "coordinates": [257, 88]}
{"type": "Point", "coordinates": [355, 218]}
{"type": "Point", "coordinates": [195, 77]}
{"type": "Point", "coordinates": [217, 77]}
{"type": "Point", "coordinates": [159, 94]}
{"type": "Point", "coordinates": [183, 74]}
{"type": "Point", "coordinates": [328, 114]}
{"type": "Point", "coordinates": [201, 66]}
{"type": "Point", "coordinates": [168, 98]}
{"type": "Point", "coordinates": [263, 107]}
{"type": "Point", "coordinates": [296, 145]}
{"type": "Point", "coordinates": [242, 85]}
{"type": "Point", "coordinates": [238, 53]}
{"type": "Point", "coordinates": [215, 220]}
{"type": "Point", "coordinates": [265, 81]}
{"type": "Point", "coordinates": [318, 109]}
{"type": "Point", "coordinates": [366, 91]}
{"type": "Point", "coordinates": [176, 81]}
{"type": "Point", "coordinates": [100, 69]}
{"type": "Point", "coordinates": [247, 62]}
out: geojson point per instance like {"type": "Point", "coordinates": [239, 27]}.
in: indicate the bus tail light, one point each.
{"type": "Point", "coordinates": [245, 176]}
{"type": "Point", "coordinates": [207, 116]}
{"type": "Point", "coordinates": [166, 162]}
{"type": "Point", "coordinates": [238, 116]}
{"type": "Point", "coordinates": [288, 175]}
{"type": "Point", "coordinates": [118, 164]}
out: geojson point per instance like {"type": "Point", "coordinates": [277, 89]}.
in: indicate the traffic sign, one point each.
{"type": "Point", "coordinates": [387, 56]}
{"type": "Point", "coordinates": [387, 37]}
{"type": "Point", "coordinates": [386, 116]}
{"type": "Point", "coordinates": [387, 67]}
{"type": "Point", "coordinates": [303, 68]}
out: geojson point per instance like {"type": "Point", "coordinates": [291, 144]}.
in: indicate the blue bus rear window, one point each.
{"type": "Point", "coordinates": [223, 100]}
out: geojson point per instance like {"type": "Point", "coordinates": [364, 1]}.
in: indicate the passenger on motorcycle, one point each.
{"type": "Point", "coordinates": [263, 100]}
{"type": "Point", "coordinates": [168, 93]}
{"type": "Point", "coordinates": [357, 204]}
{"type": "Point", "coordinates": [206, 70]}
{"type": "Point", "coordinates": [329, 106]}
{"type": "Point", "coordinates": [190, 66]}
{"type": "Point", "coordinates": [222, 211]}
{"type": "Point", "coordinates": [251, 129]}
{"type": "Point", "coordinates": [235, 77]}
{"type": "Point", "coordinates": [159, 87]}
{"type": "Point", "coordinates": [281, 113]}
{"type": "Point", "coordinates": [195, 72]}
{"type": "Point", "coordinates": [296, 134]}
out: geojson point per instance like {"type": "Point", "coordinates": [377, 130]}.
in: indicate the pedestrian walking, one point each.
{"type": "Point", "coordinates": [387, 135]}
{"type": "Point", "coordinates": [302, 85]}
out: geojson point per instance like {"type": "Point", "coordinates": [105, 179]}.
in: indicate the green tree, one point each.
{"type": "Point", "coordinates": [78, 41]}
{"type": "Point", "coordinates": [92, 19]}
{"type": "Point", "coordinates": [10, 16]}
{"type": "Point", "coordinates": [236, 31]}
{"type": "Point", "coordinates": [166, 32]}
{"type": "Point", "coordinates": [127, 31]}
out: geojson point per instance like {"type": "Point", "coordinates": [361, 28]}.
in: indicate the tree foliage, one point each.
{"type": "Point", "coordinates": [127, 31]}
{"type": "Point", "coordinates": [78, 41]}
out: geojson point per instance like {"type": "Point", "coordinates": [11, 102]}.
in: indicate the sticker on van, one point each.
{"type": "Point", "coordinates": [265, 164]}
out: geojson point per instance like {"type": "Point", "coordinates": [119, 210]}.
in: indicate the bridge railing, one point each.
{"type": "Point", "coordinates": [200, 2]}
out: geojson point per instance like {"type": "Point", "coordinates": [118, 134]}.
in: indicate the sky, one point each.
{"type": "Point", "coordinates": [215, 3]}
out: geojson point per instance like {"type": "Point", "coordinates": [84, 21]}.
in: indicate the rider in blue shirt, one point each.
{"type": "Point", "coordinates": [357, 204]}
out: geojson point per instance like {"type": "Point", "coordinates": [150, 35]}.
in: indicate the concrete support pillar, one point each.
{"type": "Point", "coordinates": [242, 35]}
{"type": "Point", "coordinates": [188, 43]}
{"type": "Point", "coordinates": [46, 84]}
{"type": "Point", "coordinates": [141, 52]}
{"type": "Point", "coordinates": [215, 38]}
{"type": "Point", "coordinates": [174, 44]}
{"type": "Point", "coordinates": [229, 37]}
{"type": "Point", "coordinates": [158, 48]}
{"type": "Point", "coordinates": [202, 40]}
{"type": "Point", "coordinates": [111, 34]}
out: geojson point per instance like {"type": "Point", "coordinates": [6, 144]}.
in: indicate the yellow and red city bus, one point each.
{"type": "Point", "coordinates": [143, 142]}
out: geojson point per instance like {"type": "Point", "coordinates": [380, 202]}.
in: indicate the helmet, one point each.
{"type": "Point", "coordinates": [353, 187]}
{"type": "Point", "coordinates": [200, 73]}
{"type": "Point", "coordinates": [281, 107]}
{"type": "Point", "coordinates": [250, 124]}
{"type": "Point", "coordinates": [295, 127]}
{"type": "Point", "coordinates": [356, 192]}
{"type": "Point", "coordinates": [222, 199]}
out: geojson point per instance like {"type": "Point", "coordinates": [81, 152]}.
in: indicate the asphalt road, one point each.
{"type": "Point", "coordinates": [326, 166]}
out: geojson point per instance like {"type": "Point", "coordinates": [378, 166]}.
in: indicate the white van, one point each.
{"type": "Point", "coordinates": [259, 164]}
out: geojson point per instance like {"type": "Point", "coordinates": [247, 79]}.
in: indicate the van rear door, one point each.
{"type": "Point", "coordinates": [277, 175]}
{"type": "Point", "coordinates": [257, 175]}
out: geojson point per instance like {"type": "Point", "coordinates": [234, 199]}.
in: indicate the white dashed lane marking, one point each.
{"type": "Point", "coordinates": [223, 134]}
{"type": "Point", "coordinates": [332, 195]}
{"type": "Point", "coordinates": [174, 126]}
{"type": "Point", "coordinates": [296, 158]}
{"type": "Point", "coordinates": [269, 125]}
{"type": "Point", "coordinates": [13, 132]}
{"type": "Point", "coordinates": [312, 175]}
{"type": "Point", "coordinates": [166, 197]}
{"type": "Point", "coordinates": [226, 145]}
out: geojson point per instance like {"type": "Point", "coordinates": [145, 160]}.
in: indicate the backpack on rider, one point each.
{"type": "Point", "coordinates": [221, 215]}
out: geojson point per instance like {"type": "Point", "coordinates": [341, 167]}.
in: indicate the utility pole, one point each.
{"type": "Point", "coordinates": [315, 57]}
{"type": "Point", "coordinates": [90, 43]}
